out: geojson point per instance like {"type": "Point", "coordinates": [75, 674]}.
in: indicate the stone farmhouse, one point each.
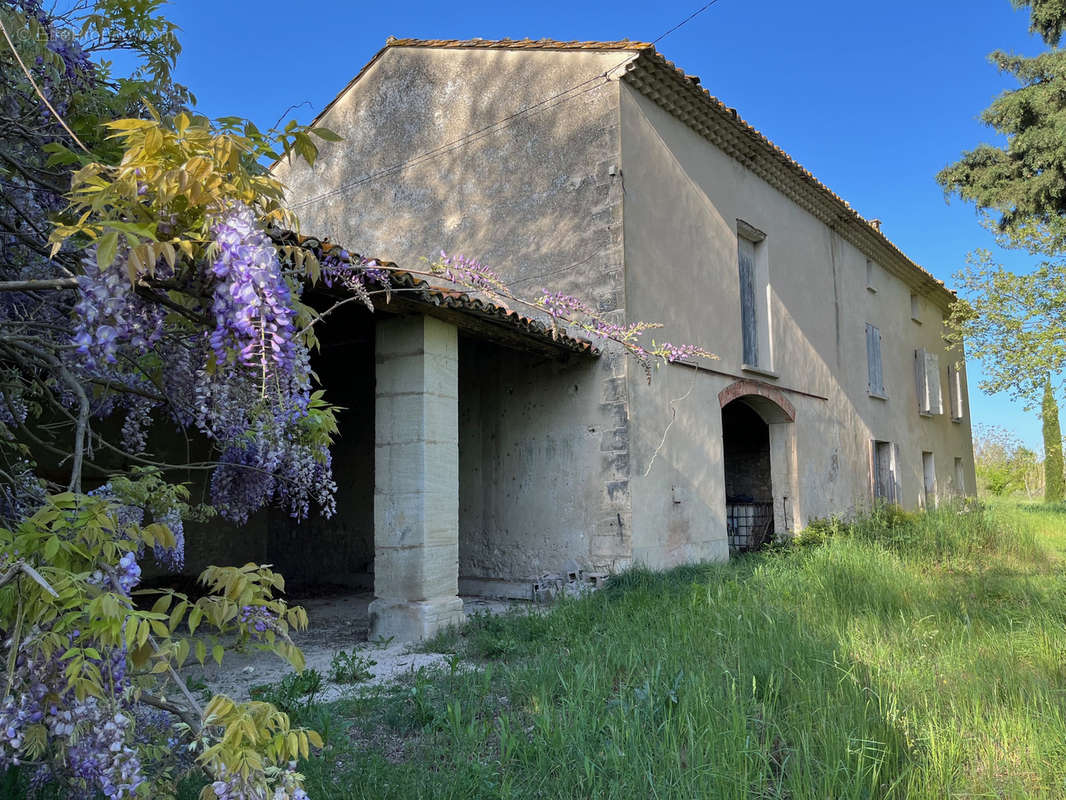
{"type": "Point", "coordinates": [480, 453]}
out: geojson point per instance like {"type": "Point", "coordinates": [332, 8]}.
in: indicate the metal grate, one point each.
{"type": "Point", "coordinates": [750, 525]}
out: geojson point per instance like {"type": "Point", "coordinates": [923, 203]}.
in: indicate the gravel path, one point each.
{"type": "Point", "coordinates": [336, 623]}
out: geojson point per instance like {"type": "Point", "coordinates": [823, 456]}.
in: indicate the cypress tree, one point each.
{"type": "Point", "coordinates": [1053, 468]}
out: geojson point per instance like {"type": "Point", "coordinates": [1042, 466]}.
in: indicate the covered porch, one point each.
{"type": "Point", "coordinates": [400, 442]}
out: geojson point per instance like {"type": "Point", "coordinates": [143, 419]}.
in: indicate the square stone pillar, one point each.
{"type": "Point", "coordinates": [416, 479]}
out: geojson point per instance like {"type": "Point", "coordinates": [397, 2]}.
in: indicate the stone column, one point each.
{"type": "Point", "coordinates": [416, 479]}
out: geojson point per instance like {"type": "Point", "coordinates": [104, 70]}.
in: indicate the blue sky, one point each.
{"type": "Point", "coordinates": [872, 98]}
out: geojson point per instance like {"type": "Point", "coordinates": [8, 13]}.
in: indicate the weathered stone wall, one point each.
{"type": "Point", "coordinates": [527, 505]}
{"type": "Point", "coordinates": [539, 201]}
{"type": "Point", "coordinates": [682, 203]}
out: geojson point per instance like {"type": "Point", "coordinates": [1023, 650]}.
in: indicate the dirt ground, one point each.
{"type": "Point", "coordinates": [337, 622]}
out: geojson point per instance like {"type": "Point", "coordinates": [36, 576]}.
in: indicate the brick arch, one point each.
{"type": "Point", "coordinates": [770, 403]}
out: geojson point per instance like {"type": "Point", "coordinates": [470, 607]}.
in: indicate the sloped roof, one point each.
{"type": "Point", "coordinates": [406, 288]}
{"type": "Point", "coordinates": [659, 79]}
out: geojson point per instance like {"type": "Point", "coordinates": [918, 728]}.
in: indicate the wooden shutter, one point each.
{"type": "Point", "coordinates": [921, 384]}
{"type": "Point", "coordinates": [875, 471]}
{"type": "Point", "coordinates": [749, 323]}
{"type": "Point", "coordinates": [932, 381]}
{"type": "Point", "coordinates": [955, 391]}
{"type": "Point", "coordinates": [897, 481]}
{"type": "Point", "coordinates": [873, 360]}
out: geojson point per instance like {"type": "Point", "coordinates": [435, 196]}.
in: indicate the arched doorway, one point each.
{"type": "Point", "coordinates": [756, 459]}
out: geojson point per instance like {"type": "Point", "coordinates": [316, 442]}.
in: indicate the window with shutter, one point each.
{"type": "Point", "coordinates": [929, 480]}
{"type": "Point", "coordinates": [932, 381]}
{"type": "Point", "coordinates": [748, 313]}
{"type": "Point", "coordinates": [927, 382]}
{"type": "Point", "coordinates": [897, 478]}
{"type": "Point", "coordinates": [920, 382]}
{"type": "Point", "coordinates": [886, 482]}
{"type": "Point", "coordinates": [955, 392]}
{"type": "Point", "coordinates": [875, 373]}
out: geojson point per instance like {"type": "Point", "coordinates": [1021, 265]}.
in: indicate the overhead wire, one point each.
{"type": "Point", "coordinates": [564, 96]}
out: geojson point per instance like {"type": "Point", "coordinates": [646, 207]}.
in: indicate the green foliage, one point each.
{"type": "Point", "coordinates": [1053, 468]}
{"type": "Point", "coordinates": [1047, 18]}
{"type": "Point", "coordinates": [1021, 187]}
{"type": "Point", "coordinates": [257, 742]}
{"type": "Point", "coordinates": [1004, 465]}
{"type": "Point", "coordinates": [294, 693]}
{"type": "Point", "coordinates": [350, 667]}
{"type": "Point", "coordinates": [1016, 324]}
{"type": "Point", "coordinates": [53, 604]}
{"type": "Point", "coordinates": [870, 666]}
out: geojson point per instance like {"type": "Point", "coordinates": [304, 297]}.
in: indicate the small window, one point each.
{"type": "Point", "coordinates": [754, 274]}
{"type": "Point", "coordinates": [916, 309]}
{"type": "Point", "coordinates": [749, 310]}
{"type": "Point", "coordinates": [871, 268]}
{"type": "Point", "coordinates": [927, 383]}
{"type": "Point", "coordinates": [929, 477]}
{"type": "Point", "coordinates": [960, 477]}
{"type": "Point", "coordinates": [955, 393]}
{"type": "Point", "coordinates": [876, 383]}
{"type": "Point", "coordinates": [886, 482]}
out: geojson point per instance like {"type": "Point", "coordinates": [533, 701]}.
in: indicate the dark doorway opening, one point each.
{"type": "Point", "coordinates": [748, 487]}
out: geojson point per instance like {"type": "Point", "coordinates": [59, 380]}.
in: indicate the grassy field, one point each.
{"type": "Point", "coordinates": [906, 656]}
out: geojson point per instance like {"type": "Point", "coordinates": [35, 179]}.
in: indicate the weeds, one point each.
{"type": "Point", "coordinates": [900, 656]}
{"type": "Point", "coordinates": [350, 667]}
{"type": "Point", "coordinates": [294, 693]}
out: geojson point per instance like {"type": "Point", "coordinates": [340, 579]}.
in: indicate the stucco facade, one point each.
{"type": "Point", "coordinates": [601, 171]}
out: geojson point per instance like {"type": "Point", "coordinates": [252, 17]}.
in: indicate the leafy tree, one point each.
{"type": "Point", "coordinates": [1004, 465]}
{"type": "Point", "coordinates": [150, 281]}
{"type": "Point", "coordinates": [1016, 323]}
{"type": "Point", "coordinates": [1053, 477]}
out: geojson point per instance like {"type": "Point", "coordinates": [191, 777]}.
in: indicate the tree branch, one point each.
{"type": "Point", "coordinates": [33, 285]}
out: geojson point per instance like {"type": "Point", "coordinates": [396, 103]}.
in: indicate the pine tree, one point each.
{"type": "Point", "coordinates": [1053, 467]}
{"type": "Point", "coordinates": [1021, 188]}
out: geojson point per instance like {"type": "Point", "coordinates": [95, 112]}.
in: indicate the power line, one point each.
{"type": "Point", "coordinates": [494, 127]}
{"type": "Point", "coordinates": [466, 138]}
{"type": "Point", "coordinates": [685, 21]}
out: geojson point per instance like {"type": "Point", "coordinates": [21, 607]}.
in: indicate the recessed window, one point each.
{"type": "Point", "coordinates": [885, 478]}
{"type": "Point", "coordinates": [927, 382]}
{"type": "Point", "coordinates": [754, 274]}
{"type": "Point", "coordinates": [955, 393]}
{"type": "Point", "coordinates": [916, 309]}
{"type": "Point", "coordinates": [871, 269]}
{"type": "Point", "coordinates": [960, 477]}
{"type": "Point", "coordinates": [875, 373]}
{"type": "Point", "coordinates": [929, 479]}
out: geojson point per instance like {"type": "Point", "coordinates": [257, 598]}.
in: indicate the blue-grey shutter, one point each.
{"type": "Point", "coordinates": [749, 324]}
{"type": "Point", "coordinates": [875, 375]}
{"type": "Point", "coordinates": [921, 384]}
{"type": "Point", "coordinates": [932, 381]}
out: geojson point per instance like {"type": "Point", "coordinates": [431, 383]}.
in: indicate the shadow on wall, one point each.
{"type": "Point", "coordinates": [530, 198]}
{"type": "Point", "coordinates": [316, 552]}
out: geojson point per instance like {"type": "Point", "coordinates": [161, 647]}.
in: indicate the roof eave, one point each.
{"type": "Point", "coordinates": [682, 96]}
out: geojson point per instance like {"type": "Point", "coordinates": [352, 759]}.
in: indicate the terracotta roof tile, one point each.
{"type": "Point", "coordinates": [423, 292]}
{"type": "Point", "coordinates": [651, 67]}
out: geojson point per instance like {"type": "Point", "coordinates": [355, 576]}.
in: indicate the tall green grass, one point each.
{"type": "Point", "coordinates": [903, 656]}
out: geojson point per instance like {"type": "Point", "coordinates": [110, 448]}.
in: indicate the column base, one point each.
{"type": "Point", "coordinates": [413, 621]}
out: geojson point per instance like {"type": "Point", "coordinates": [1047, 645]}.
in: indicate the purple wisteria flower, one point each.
{"type": "Point", "coordinates": [253, 303]}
